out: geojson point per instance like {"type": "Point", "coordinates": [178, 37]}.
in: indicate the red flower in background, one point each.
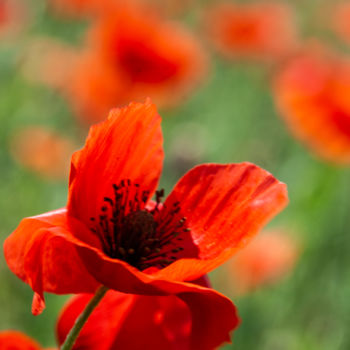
{"type": "Point", "coordinates": [127, 321]}
{"type": "Point", "coordinates": [13, 340]}
{"type": "Point", "coordinates": [312, 92]}
{"type": "Point", "coordinates": [269, 257]}
{"type": "Point", "coordinates": [130, 56]}
{"type": "Point", "coordinates": [261, 30]}
{"type": "Point", "coordinates": [111, 233]}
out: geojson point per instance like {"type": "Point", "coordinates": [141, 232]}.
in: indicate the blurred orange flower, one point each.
{"type": "Point", "coordinates": [261, 30]}
{"type": "Point", "coordinates": [312, 92]}
{"type": "Point", "coordinates": [13, 340]}
{"type": "Point", "coordinates": [341, 20]}
{"type": "Point", "coordinates": [131, 56]}
{"type": "Point", "coordinates": [270, 256]}
{"type": "Point", "coordinates": [42, 151]}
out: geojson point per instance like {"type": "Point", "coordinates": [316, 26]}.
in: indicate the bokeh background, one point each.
{"type": "Point", "coordinates": [229, 116]}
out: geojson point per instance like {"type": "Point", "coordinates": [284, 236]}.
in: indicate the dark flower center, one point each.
{"type": "Point", "coordinates": [141, 237]}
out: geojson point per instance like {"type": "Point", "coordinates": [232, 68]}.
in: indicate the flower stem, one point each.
{"type": "Point", "coordinates": [83, 317]}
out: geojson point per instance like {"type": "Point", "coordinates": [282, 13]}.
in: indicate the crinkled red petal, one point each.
{"type": "Point", "coordinates": [162, 322]}
{"type": "Point", "coordinates": [128, 145]}
{"type": "Point", "coordinates": [102, 326]}
{"type": "Point", "coordinates": [40, 253]}
{"type": "Point", "coordinates": [224, 206]}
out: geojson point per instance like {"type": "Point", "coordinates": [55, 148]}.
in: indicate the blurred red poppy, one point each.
{"type": "Point", "coordinates": [130, 56]}
{"type": "Point", "coordinates": [13, 340]}
{"type": "Point", "coordinates": [42, 151]}
{"type": "Point", "coordinates": [311, 91]}
{"type": "Point", "coordinates": [111, 233]}
{"type": "Point", "coordinates": [269, 257]}
{"type": "Point", "coordinates": [260, 30]}
{"type": "Point", "coordinates": [161, 322]}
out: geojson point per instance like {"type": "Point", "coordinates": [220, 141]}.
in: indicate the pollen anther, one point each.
{"type": "Point", "coordinates": [130, 232]}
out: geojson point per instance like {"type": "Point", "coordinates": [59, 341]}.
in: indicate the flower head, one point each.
{"type": "Point", "coordinates": [311, 91]}
{"type": "Point", "coordinates": [112, 233]}
{"type": "Point", "coordinates": [161, 322]}
{"type": "Point", "coordinates": [130, 56]}
{"type": "Point", "coordinates": [261, 30]}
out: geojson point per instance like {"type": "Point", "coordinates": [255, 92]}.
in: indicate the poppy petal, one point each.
{"type": "Point", "coordinates": [128, 145]}
{"type": "Point", "coordinates": [225, 205]}
{"type": "Point", "coordinates": [103, 324]}
{"type": "Point", "coordinates": [161, 322]}
{"type": "Point", "coordinates": [39, 254]}
{"type": "Point", "coordinates": [131, 280]}
{"type": "Point", "coordinates": [17, 341]}
{"type": "Point", "coordinates": [213, 312]}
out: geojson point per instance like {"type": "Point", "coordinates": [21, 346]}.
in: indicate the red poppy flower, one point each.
{"type": "Point", "coordinates": [262, 30]}
{"type": "Point", "coordinates": [130, 56]}
{"type": "Point", "coordinates": [311, 91]}
{"type": "Point", "coordinates": [13, 340]}
{"type": "Point", "coordinates": [161, 322]}
{"type": "Point", "coordinates": [270, 256]}
{"type": "Point", "coordinates": [110, 232]}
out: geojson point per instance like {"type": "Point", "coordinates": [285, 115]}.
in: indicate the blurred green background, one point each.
{"type": "Point", "coordinates": [230, 118]}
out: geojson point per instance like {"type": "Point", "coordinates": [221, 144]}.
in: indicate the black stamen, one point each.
{"type": "Point", "coordinates": [131, 233]}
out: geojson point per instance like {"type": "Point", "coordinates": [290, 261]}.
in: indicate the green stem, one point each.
{"type": "Point", "coordinates": [80, 321]}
